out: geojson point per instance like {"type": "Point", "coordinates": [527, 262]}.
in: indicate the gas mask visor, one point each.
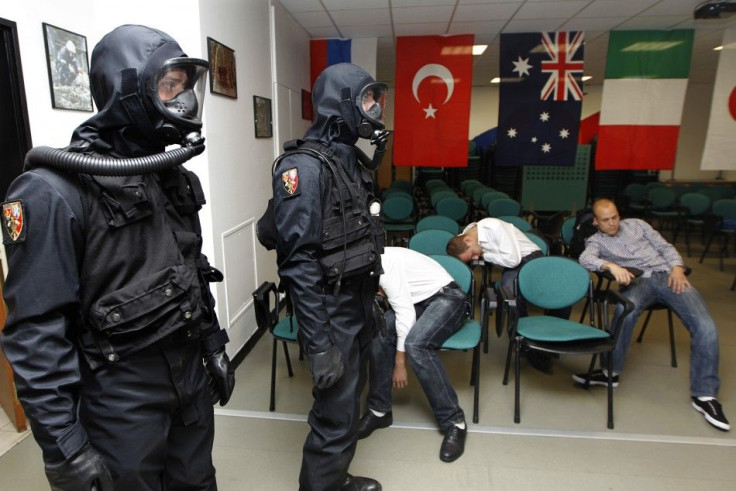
{"type": "Point", "coordinates": [178, 89]}
{"type": "Point", "coordinates": [371, 103]}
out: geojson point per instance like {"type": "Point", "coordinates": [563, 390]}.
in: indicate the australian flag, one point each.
{"type": "Point", "coordinates": [540, 98]}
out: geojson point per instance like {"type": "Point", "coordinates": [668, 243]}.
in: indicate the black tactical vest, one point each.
{"type": "Point", "coordinates": [352, 238]}
{"type": "Point", "coordinates": [142, 277]}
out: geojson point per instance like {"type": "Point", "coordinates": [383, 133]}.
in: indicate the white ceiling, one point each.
{"type": "Point", "coordinates": [387, 19]}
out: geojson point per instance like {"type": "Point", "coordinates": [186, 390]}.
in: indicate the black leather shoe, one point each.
{"type": "Point", "coordinates": [453, 445]}
{"type": "Point", "coordinates": [358, 483]}
{"type": "Point", "coordinates": [370, 422]}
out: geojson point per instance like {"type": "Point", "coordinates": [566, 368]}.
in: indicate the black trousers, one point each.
{"type": "Point", "coordinates": [152, 419]}
{"type": "Point", "coordinates": [335, 414]}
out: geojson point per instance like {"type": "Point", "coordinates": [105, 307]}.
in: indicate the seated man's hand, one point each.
{"type": "Point", "coordinates": [623, 276]}
{"type": "Point", "coordinates": [677, 280]}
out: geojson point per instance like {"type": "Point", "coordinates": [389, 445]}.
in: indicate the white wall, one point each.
{"type": "Point", "coordinates": [235, 168]}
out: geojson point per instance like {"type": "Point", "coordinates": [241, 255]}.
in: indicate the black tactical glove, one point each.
{"type": "Point", "coordinates": [222, 376]}
{"type": "Point", "coordinates": [86, 471]}
{"type": "Point", "coordinates": [379, 139]}
{"type": "Point", "coordinates": [326, 367]}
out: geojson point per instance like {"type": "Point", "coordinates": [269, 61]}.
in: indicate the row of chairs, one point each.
{"type": "Point", "coordinates": [284, 326]}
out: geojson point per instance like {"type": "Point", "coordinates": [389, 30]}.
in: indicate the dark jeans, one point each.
{"type": "Point", "coordinates": [151, 418]}
{"type": "Point", "coordinates": [438, 317]}
{"type": "Point", "coordinates": [691, 309]}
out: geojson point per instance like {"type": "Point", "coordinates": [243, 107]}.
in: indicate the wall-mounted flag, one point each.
{"type": "Point", "coordinates": [540, 98]}
{"type": "Point", "coordinates": [718, 150]}
{"type": "Point", "coordinates": [643, 97]}
{"type": "Point", "coordinates": [432, 103]}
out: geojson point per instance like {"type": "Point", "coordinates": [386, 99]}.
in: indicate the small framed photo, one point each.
{"type": "Point", "coordinates": [66, 58]}
{"type": "Point", "coordinates": [307, 111]}
{"type": "Point", "coordinates": [222, 69]}
{"type": "Point", "coordinates": [262, 115]}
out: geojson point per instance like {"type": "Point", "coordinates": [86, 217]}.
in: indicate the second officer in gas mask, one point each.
{"type": "Point", "coordinates": [328, 249]}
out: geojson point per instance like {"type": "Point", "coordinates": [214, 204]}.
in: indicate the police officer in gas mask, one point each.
{"type": "Point", "coordinates": [328, 249]}
{"type": "Point", "coordinates": [117, 353]}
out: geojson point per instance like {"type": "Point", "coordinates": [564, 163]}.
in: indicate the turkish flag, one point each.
{"type": "Point", "coordinates": [433, 86]}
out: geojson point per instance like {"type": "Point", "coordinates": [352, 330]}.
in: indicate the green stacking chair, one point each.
{"type": "Point", "coordinates": [431, 242]}
{"type": "Point", "coordinates": [438, 222]}
{"type": "Point", "coordinates": [554, 282]}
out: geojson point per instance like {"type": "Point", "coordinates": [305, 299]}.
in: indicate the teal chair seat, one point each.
{"type": "Point", "coordinates": [553, 329]}
{"type": "Point", "coordinates": [467, 337]}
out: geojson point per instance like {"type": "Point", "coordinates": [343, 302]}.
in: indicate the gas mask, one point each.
{"type": "Point", "coordinates": [177, 90]}
{"type": "Point", "coordinates": [371, 103]}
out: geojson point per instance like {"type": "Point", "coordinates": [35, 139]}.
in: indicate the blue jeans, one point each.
{"type": "Point", "coordinates": [438, 317]}
{"type": "Point", "coordinates": [691, 309]}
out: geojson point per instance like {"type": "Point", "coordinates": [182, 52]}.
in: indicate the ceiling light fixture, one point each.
{"type": "Point", "coordinates": [586, 78]}
{"type": "Point", "coordinates": [496, 80]}
{"type": "Point", "coordinates": [479, 49]}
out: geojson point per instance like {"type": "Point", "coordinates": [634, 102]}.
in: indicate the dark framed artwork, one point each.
{"type": "Point", "coordinates": [66, 59]}
{"type": "Point", "coordinates": [222, 69]}
{"type": "Point", "coordinates": [262, 117]}
{"type": "Point", "coordinates": [307, 111]}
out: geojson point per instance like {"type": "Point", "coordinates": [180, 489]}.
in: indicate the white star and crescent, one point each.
{"type": "Point", "coordinates": [433, 70]}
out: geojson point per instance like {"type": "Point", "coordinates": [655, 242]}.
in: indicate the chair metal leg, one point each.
{"type": "Point", "coordinates": [610, 391]}
{"type": "Point", "coordinates": [673, 349]}
{"type": "Point", "coordinates": [644, 326]}
{"type": "Point", "coordinates": [517, 385]}
{"type": "Point", "coordinates": [476, 379]}
{"type": "Point", "coordinates": [288, 360]}
{"type": "Point", "coordinates": [508, 363]}
{"type": "Point", "coordinates": [707, 247]}
{"type": "Point", "coordinates": [272, 403]}
{"type": "Point", "coordinates": [733, 285]}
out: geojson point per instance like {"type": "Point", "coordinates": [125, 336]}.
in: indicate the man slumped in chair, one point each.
{"type": "Point", "coordinates": [633, 243]}
{"type": "Point", "coordinates": [427, 307]}
{"type": "Point", "coordinates": [502, 244]}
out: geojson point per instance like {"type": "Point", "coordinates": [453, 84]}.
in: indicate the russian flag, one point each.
{"type": "Point", "coordinates": [327, 52]}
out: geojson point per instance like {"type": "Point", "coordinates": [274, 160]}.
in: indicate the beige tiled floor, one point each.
{"type": "Point", "coordinates": [562, 442]}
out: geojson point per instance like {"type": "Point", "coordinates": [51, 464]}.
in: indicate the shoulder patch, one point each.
{"type": "Point", "coordinates": [13, 222]}
{"type": "Point", "coordinates": [290, 181]}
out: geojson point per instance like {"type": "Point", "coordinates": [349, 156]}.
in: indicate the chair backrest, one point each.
{"type": "Point", "coordinates": [503, 207]}
{"type": "Point", "coordinates": [695, 203]}
{"type": "Point", "coordinates": [478, 194]}
{"type": "Point", "coordinates": [553, 282]}
{"type": "Point", "coordinates": [713, 192]}
{"type": "Point", "coordinates": [403, 184]}
{"type": "Point", "coordinates": [459, 271]}
{"type": "Point", "coordinates": [539, 241]}
{"type": "Point", "coordinates": [267, 307]}
{"type": "Point", "coordinates": [455, 208]}
{"type": "Point", "coordinates": [661, 197]}
{"type": "Point", "coordinates": [434, 184]}
{"type": "Point", "coordinates": [725, 208]}
{"type": "Point", "coordinates": [568, 227]}
{"type": "Point", "coordinates": [518, 222]}
{"type": "Point", "coordinates": [388, 192]}
{"type": "Point", "coordinates": [436, 196]}
{"type": "Point", "coordinates": [430, 241]}
{"type": "Point", "coordinates": [469, 182]}
{"type": "Point", "coordinates": [397, 207]}
{"type": "Point", "coordinates": [635, 192]}
{"type": "Point", "coordinates": [654, 184]}
{"type": "Point", "coordinates": [438, 222]}
{"type": "Point", "coordinates": [491, 196]}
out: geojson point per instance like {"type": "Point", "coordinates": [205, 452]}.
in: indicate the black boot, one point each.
{"type": "Point", "coordinates": [358, 483]}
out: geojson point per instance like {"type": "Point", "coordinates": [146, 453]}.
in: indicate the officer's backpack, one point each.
{"type": "Point", "coordinates": [582, 229]}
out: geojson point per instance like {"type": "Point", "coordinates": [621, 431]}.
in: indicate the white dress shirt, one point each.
{"type": "Point", "coordinates": [502, 244]}
{"type": "Point", "coordinates": [408, 278]}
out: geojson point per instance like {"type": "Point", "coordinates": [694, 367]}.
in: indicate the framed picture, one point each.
{"type": "Point", "coordinates": [262, 115]}
{"type": "Point", "coordinates": [222, 69]}
{"type": "Point", "coordinates": [66, 58]}
{"type": "Point", "coordinates": [307, 112]}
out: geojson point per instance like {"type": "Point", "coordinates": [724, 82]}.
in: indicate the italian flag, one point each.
{"type": "Point", "coordinates": [643, 96]}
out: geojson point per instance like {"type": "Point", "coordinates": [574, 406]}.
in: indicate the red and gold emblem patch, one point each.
{"type": "Point", "coordinates": [290, 180]}
{"type": "Point", "coordinates": [13, 220]}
